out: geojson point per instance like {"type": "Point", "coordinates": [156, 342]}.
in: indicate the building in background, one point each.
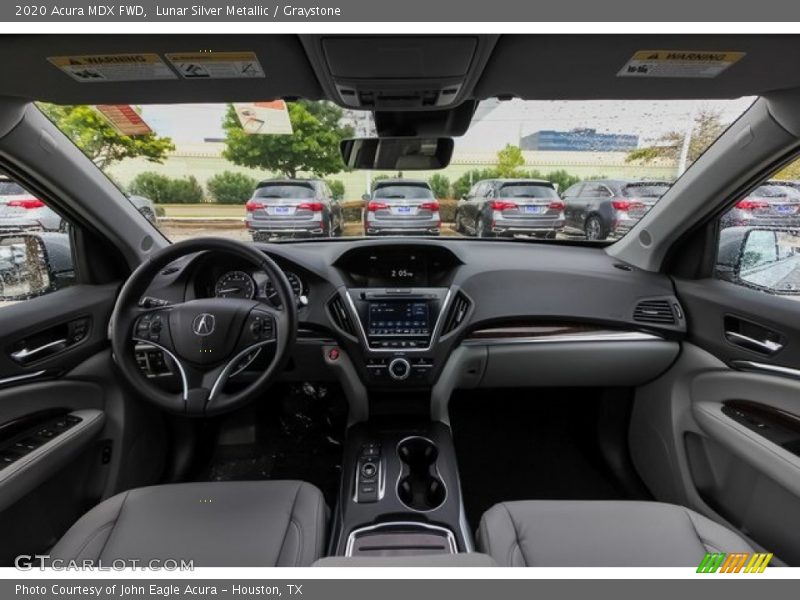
{"type": "Point", "coordinates": [579, 140]}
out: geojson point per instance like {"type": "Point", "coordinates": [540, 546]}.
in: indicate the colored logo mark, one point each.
{"type": "Point", "coordinates": [735, 562]}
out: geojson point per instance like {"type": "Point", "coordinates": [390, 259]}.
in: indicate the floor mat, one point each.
{"type": "Point", "coordinates": [296, 434]}
{"type": "Point", "coordinates": [528, 445]}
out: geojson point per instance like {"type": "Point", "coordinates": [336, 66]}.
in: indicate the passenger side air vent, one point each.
{"type": "Point", "coordinates": [340, 315]}
{"type": "Point", "coordinates": [654, 311]}
{"type": "Point", "coordinates": [457, 313]}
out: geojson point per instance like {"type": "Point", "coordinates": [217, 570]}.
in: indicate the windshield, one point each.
{"type": "Point", "coordinates": [775, 191]}
{"type": "Point", "coordinates": [646, 190]}
{"type": "Point", "coordinates": [271, 171]}
{"type": "Point", "coordinates": [276, 190]}
{"type": "Point", "coordinates": [527, 190]}
{"type": "Point", "coordinates": [403, 191]}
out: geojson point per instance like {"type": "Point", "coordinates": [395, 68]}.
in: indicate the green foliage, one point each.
{"type": "Point", "coordinates": [166, 190]}
{"type": "Point", "coordinates": [463, 184]}
{"type": "Point", "coordinates": [229, 187]}
{"type": "Point", "coordinates": [509, 160]}
{"type": "Point", "coordinates": [377, 178]}
{"type": "Point", "coordinates": [708, 126]}
{"type": "Point", "coordinates": [440, 186]}
{"type": "Point", "coordinates": [103, 144]}
{"type": "Point", "coordinates": [312, 148]}
{"type": "Point", "coordinates": [560, 177]}
{"type": "Point", "coordinates": [337, 188]}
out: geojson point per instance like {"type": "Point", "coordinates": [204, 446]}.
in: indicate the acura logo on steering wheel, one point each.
{"type": "Point", "coordinates": [203, 324]}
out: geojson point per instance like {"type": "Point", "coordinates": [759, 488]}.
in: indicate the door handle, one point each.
{"type": "Point", "coordinates": [28, 354]}
{"type": "Point", "coordinates": [763, 346]}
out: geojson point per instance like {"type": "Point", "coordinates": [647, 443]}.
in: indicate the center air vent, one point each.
{"type": "Point", "coordinates": [340, 315]}
{"type": "Point", "coordinates": [654, 311]}
{"type": "Point", "coordinates": [457, 313]}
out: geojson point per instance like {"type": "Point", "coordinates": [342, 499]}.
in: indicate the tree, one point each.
{"type": "Point", "coordinates": [231, 188]}
{"type": "Point", "coordinates": [707, 128]}
{"type": "Point", "coordinates": [312, 148]}
{"type": "Point", "coordinates": [440, 186]}
{"type": "Point", "coordinates": [103, 144]}
{"type": "Point", "coordinates": [337, 188]}
{"type": "Point", "coordinates": [509, 159]}
{"type": "Point", "coordinates": [462, 185]}
{"type": "Point", "coordinates": [166, 190]}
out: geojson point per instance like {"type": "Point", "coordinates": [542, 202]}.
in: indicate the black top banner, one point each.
{"type": "Point", "coordinates": [729, 11]}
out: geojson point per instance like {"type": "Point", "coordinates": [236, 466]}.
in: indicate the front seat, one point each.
{"type": "Point", "coordinates": [601, 534]}
{"type": "Point", "coordinates": [221, 524]}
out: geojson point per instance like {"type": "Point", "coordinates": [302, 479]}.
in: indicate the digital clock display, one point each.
{"type": "Point", "coordinates": [401, 273]}
{"type": "Point", "coordinates": [405, 269]}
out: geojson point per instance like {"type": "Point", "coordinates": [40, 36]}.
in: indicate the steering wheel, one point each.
{"type": "Point", "coordinates": [206, 338]}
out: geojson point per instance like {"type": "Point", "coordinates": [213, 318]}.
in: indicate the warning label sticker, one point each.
{"type": "Point", "coordinates": [100, 68]}
{"type": "Point", "coordinates": [678, 63]}
{"type": "Point", "coordinates": [216, 65]}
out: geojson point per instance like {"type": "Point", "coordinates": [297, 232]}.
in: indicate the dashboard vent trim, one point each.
{"type": "Point", "coordinates": [656, 311]}
{"type": "Point", "coordinates": [340, 316]}
{"type": "Point", "coordinates": [457, 313]}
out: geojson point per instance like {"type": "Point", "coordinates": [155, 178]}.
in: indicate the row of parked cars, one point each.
{"type": "Point", "coordinates": [22, 210]}
{"type": "Point", "coordinates": [595, 209]}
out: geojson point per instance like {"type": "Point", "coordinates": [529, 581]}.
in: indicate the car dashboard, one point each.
{"type": "Point", "coordinates": [427, 316]}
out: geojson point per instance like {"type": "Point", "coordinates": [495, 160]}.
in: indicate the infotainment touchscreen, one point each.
{"type": "Point", "coordinates": [399, 318]}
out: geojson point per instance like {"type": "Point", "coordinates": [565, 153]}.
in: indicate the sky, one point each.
{"type": "Point", "coordinates": [504, 124]}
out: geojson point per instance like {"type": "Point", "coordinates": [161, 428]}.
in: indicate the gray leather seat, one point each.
{"type": "Point", "coordinates": [238, 524]}
{"type": "Point", "coordinates": [601, 534]}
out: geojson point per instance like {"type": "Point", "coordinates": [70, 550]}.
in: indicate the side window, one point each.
{"type": "Point", "coordinates": [572, 191]}
{"type": "Point", "coordinates": [35, 249]}
{"type": "Point", "coordinates": [759, 237]}
{"type": "Point", "coordinates": [591, 190]}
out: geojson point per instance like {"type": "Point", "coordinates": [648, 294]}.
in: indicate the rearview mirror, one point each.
{"type": "Point", "coordinates": [24, 270]}
{"type": "Point", "coordinates": [397, 154]}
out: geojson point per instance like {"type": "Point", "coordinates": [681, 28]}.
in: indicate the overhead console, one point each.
{"type": "Point", "coordinates": [385, 72]}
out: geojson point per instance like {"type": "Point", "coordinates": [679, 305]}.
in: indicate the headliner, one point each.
{"type": "Point", "coordinates": [551, 67]}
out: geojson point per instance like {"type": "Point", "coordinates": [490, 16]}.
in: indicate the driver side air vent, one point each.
{"type": "Point", "coordinates": [457, 313]}
{"type": "Point", "coordinates": [340, 315]}
{"type": "Point", "coordinates": [654, 311]}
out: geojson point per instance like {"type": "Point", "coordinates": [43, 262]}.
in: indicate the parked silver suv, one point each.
{"type": "Point", "coordinates": [293, 208]}
{"type": "Point", "coordinates": [402, 206]}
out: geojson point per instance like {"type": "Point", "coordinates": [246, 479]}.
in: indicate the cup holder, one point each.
{"type": "Point", "coordinates": [420, 487]}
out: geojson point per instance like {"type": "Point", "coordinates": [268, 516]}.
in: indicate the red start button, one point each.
{"type": "Point", "coordinates": [333, 354]}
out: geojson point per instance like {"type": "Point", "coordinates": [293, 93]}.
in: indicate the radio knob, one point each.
{"type": "Point", "coordinates": [399, 369]}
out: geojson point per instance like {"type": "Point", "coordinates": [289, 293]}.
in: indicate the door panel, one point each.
{"type": "Point", "coordinates": [54, 424]}
{"type": "Point", "coordinates": [721, 431]}
{"type": "Point", "coordinates": [28, 326]}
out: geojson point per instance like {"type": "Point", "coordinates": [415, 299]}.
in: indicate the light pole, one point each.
{"type": "Point", "coordinates": [687, 141]}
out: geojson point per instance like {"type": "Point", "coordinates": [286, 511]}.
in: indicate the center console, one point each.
{"type": "Point", "coordinates": [400, 494]}
{"type": "Point", "coordinates": [397, 327]}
